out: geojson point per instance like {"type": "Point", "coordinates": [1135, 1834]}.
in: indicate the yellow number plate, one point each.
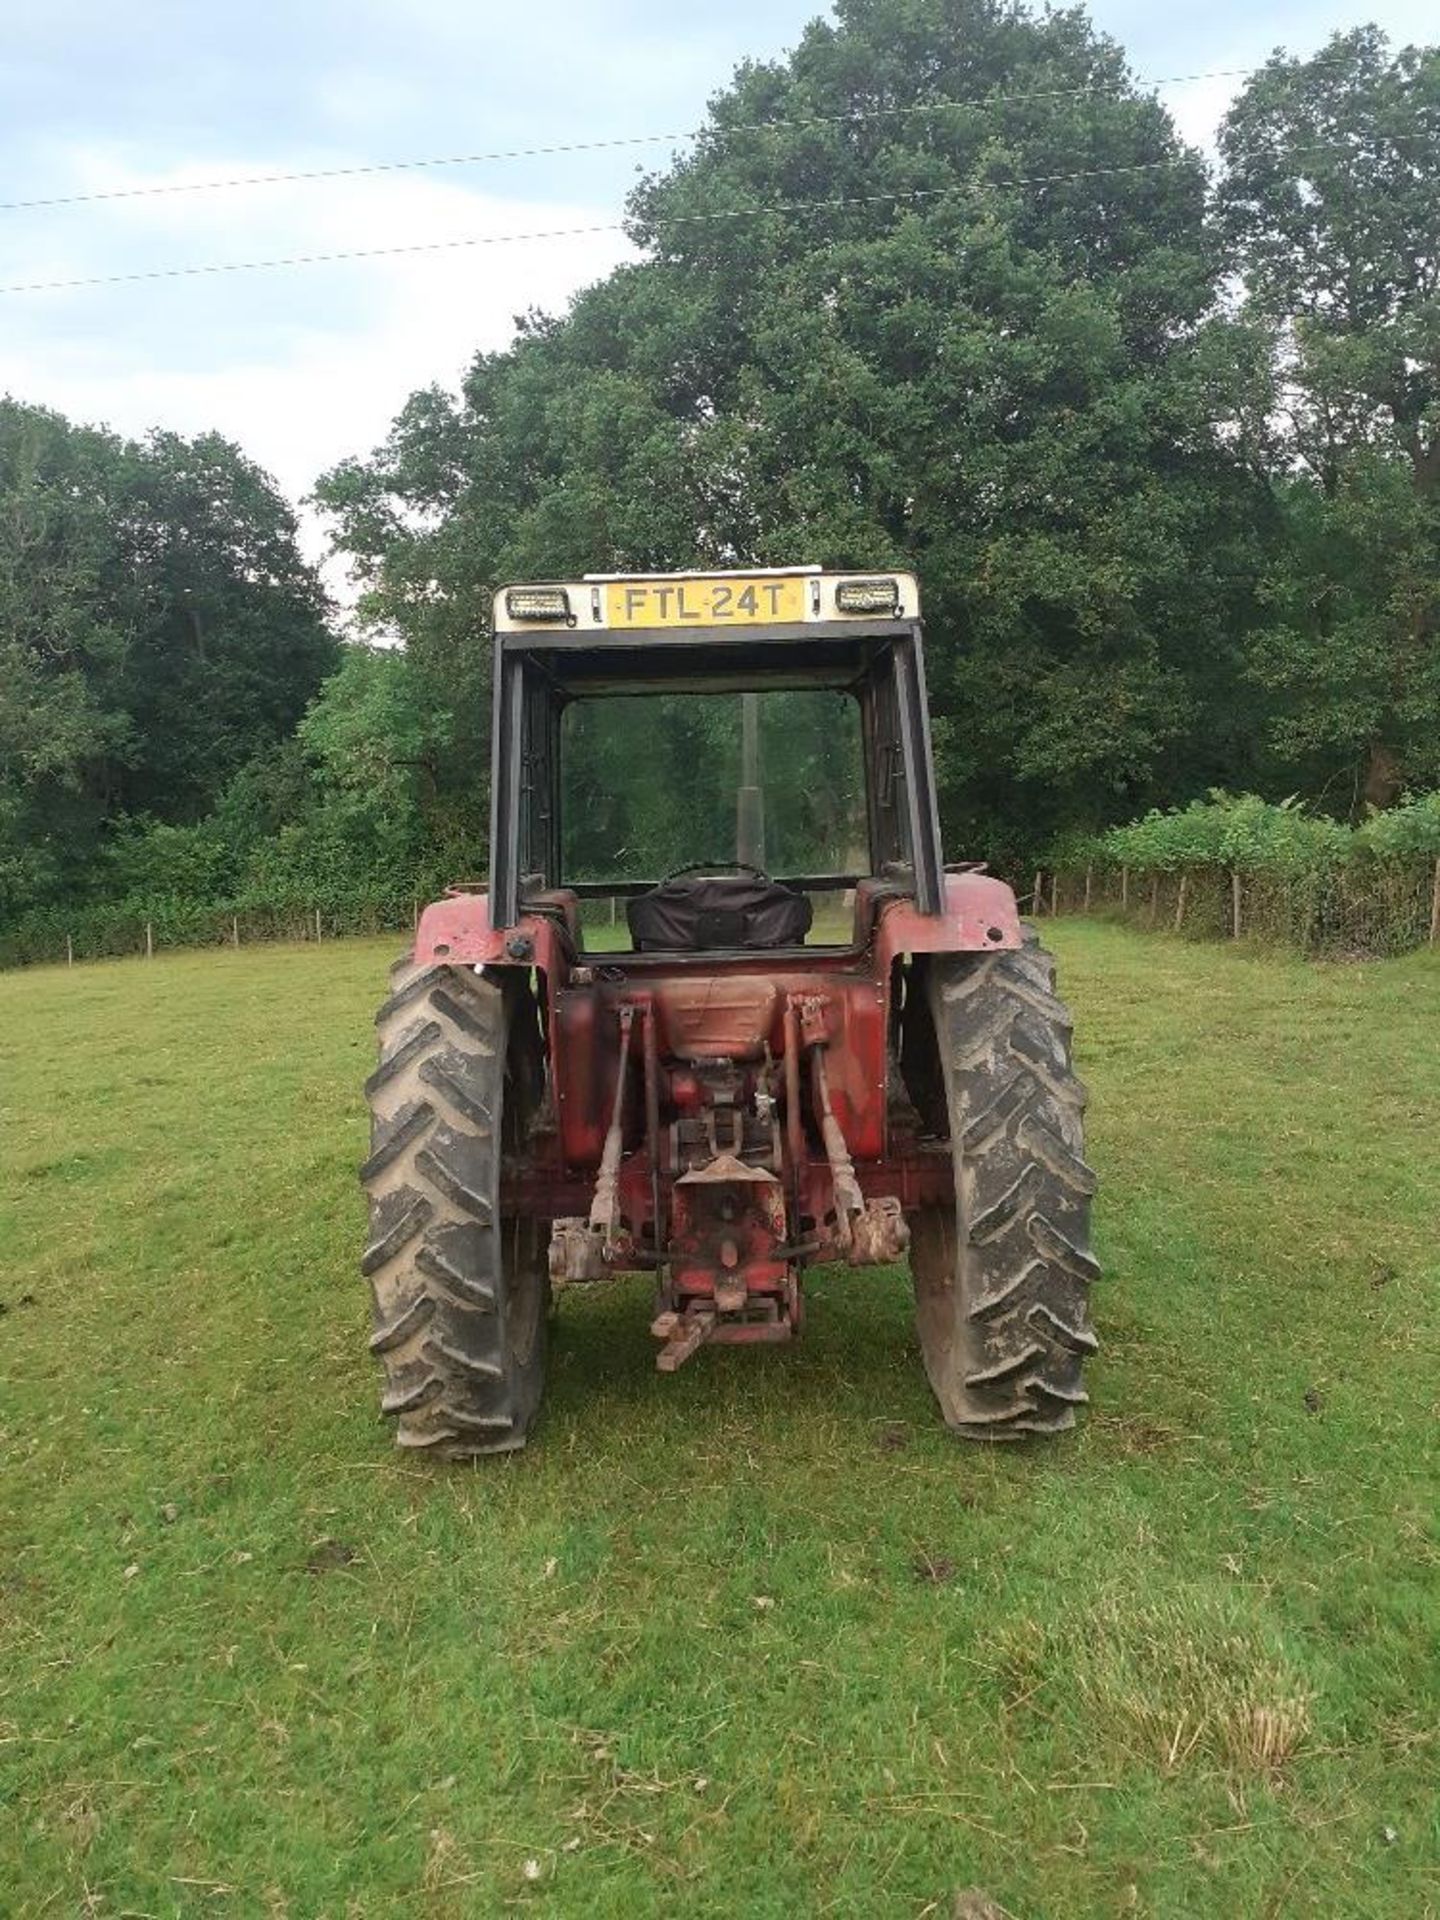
{"type": "Point", "coordinates": [737, 602]}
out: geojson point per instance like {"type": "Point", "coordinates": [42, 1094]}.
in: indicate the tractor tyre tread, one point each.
{"type": "Point", "coordinates": [462, 1351]}
{"type": "Point", "coordinates": [1003, 1278]}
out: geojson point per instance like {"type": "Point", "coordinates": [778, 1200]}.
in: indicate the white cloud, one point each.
{"type": "Point", "coordinates": [301, 365]}
{"type": "Point", "coordinates": [1197, 107]}
{"type": "Point", "coordinates": [358, 99]}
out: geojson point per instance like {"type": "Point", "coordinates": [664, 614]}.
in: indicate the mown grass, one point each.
{"type": "Point", "coordinates": [758, 1639]}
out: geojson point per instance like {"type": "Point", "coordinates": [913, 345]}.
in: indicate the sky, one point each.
{"type": "Point", "coordinates": [306, 365]}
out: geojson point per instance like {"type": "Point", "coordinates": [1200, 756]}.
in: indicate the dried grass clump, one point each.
{"type": "Point", "coordinates": [1185, 1683]}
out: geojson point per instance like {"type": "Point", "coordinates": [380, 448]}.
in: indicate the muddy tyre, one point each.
{"type": "Point", "coordinates": [1002, 1279]}
{"type": "Point", "coordinates": [461, 1294]}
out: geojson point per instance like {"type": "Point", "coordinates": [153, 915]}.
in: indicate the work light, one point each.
{"type": "Point", "coordinates": [867, 596]}
{"type": "Point", "coordinates": [537, 603]}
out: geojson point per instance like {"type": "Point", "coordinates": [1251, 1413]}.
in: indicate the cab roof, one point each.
{"type": "Point", "coordinates": [738, 599]}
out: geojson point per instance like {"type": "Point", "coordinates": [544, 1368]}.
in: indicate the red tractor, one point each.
{"type": "Point", "coordinates": [742, 1090]}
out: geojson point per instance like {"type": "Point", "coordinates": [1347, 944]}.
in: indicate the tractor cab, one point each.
{"type": "Point", "coordinates": [720, 752]}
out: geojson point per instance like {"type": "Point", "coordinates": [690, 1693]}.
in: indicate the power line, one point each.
{"type": "Point", "coordinates": [902, 197]}
{"type": "Point", "coordinates": [571, 233]}
{"type": "Point", "coordinates": [610, 145]}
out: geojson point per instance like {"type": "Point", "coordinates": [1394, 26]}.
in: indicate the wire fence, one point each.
{"type": "Point", "coordinates": [101, 932]}
{"type": "Point", "coordinates": [1364, 908]}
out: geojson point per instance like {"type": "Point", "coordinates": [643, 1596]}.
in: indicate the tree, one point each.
{"type": "Point", "coordinates": [1329, 200]}
{"type": "Point", "coordinates": [989, 352]}
{"type": "Point", "coordinates": [60, 649]}
{"type": "Point", "coordinates": [229, 641]}
{"type": "Point", "coordinates": [157, 629]}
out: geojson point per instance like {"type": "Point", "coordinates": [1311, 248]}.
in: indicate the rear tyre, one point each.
{"type": "Point", "coordinates": [1002, 1278]}
{"type": "Point", "coordinates": [461, 1293]}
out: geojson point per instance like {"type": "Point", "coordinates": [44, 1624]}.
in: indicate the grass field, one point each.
{"type": "Point", "coordinates": [758, 1639]}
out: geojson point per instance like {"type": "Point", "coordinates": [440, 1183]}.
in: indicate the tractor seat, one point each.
{"type": "Point", "coordinates": [704, 909]}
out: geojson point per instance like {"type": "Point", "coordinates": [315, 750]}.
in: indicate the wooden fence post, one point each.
{"type": "Point", "coordinates": [1089, 882]}
{"type": "Point", "coordinates": [235, 929]}
{"type": "Point", "coordinates": [1180, 898]}
{"type": "Point", "coordinates": [1234, 903]}
{"type": "Point", "coordinates": [149, 941]}
{"type": "Point", "coordinates": [1155, 897]}
{"type": "Point", "coordinates": [70, 951]}
{"type": "Point", "coordinates": [1037, 897]}
{"type": "Point", "coordinates": [415, 920]}
{"type": "Point", "coordinates": [317, 926]}
{"type": "Point", "coordinates": [1124, 889]}
{"type": "Point", "coordinates": [1435, 908]}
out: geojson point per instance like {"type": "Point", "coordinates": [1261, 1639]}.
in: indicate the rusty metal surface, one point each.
{"type": "Point", "coordinates": [918, 1174]}
{"type": "Point", "coordinates": [848, 1199]}
{"type": "Point", "coordinates": [709, 1019]}
{"type": "Point", "coordinates": [722, 1119]}
{"type": "Point", "coordinates": [727, 1234]}
{"type": "Point", "coordinates": [854, 1009]}
{"type": "Point", "coordinates": [605, 1207]}
{"type": "Point", "coordinates": [456, 931]}
{"type": "Point", "coordinates": [652, 1124]}
{"type": "Point", "coordinates": [724, 1168]}
{"type": "Point", "coordinates": [978, 915]}
{"type": "Point", "coordinates": [577, 1252]}
{"type": "Point", "coordinates": [682, 1333]}
{"type": "Point", "coordinates": [685, 1333]}
{"type": "Point", "coordinates": [723, 1127]}
{"type": "Point", "coordinates": [852, 985]}
{"type": "Point", "coordinates": [879, 1233]}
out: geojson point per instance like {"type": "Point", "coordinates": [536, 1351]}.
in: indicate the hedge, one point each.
{"type": "Point", "coordinates": [1237, 865]}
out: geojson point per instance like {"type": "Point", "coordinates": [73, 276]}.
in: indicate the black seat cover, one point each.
{"type": "Point", "coordinates": [702, 911]}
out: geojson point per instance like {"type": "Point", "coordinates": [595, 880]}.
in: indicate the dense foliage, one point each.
{"type": "Point", "coordinates": [1009, 386]}
{"type": "Point", "coordinates": [1236, 863]}
{"type": "Point", "coordinates": [1329, 201]}
{"type": "Point", "coordinates": [158, 633]}
{"type": "Point", "coordinates": [942, 289]}
{"type": "Point", "coordinates": [1243, 833]}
